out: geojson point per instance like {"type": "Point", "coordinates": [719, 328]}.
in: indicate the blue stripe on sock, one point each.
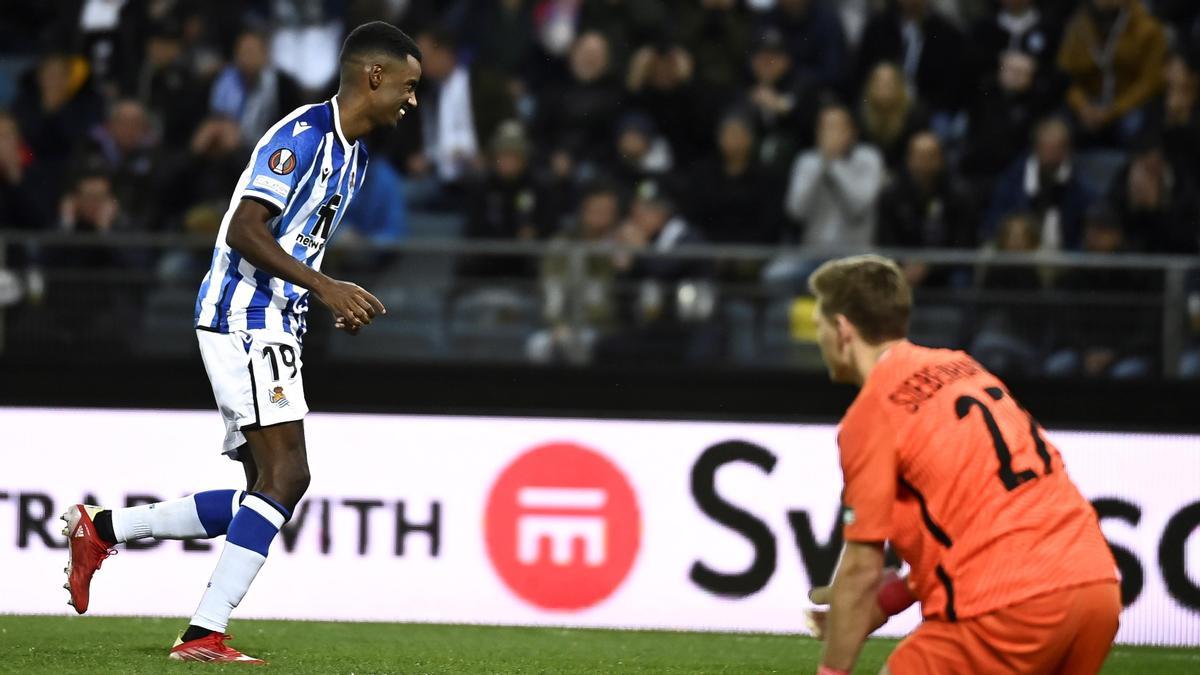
{"type": "Point", "coordinates": [251, 531]}
{"type": "Point", "coordinates": [287, 515]}
{"type": "Point", "coordinates": [213, 508]}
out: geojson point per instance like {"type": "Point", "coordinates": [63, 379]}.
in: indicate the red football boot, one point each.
{"type": "Point", "coordinates": [87, 552]}
{"type": "Point", "coordinates": [210, 649]}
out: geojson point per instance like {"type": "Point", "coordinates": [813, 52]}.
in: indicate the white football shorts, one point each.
{"type": "Point", "coordinates": [256, 380]}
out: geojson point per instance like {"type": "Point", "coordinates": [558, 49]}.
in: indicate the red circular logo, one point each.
{"type": "Point", "coordinates": [562, 527]}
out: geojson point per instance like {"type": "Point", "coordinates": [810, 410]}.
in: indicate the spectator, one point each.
{"type": "Point", "coordinates": [196, 192]}
{"type": "Point", "coordinates": [1113, 51]}
{"type": "Point", "coordinates": [506, 204]}
{"type": "Point", "coordinates": [665, 303]}
{"type": "Point", "coordinates": [199, 187]}
{"type": "Point", "coordinates": [655, 224]}
{"type": "Point", "coordinates": [306, 39]}
{"type": "Point", "coordinates": [378, 213]}
{"type": "Point", "coordinates": [716, 33]}
{"type": "Point", "coordinates": [661, 81]}
{"type": "Point", "coordinates": [501, 39]}
{"type": "Point", "coordinates": [54, 111]}
{"type": "Point", "coordinates": [834, 187]}
{"type": "Point", "coordinates": [1113, 340]}
{"type": "Point", "coordinates": [731, 198]}
{"type": "Point", "coordinates": [166, 85]}
{"type": "Point", "coordinates": [925, 207]}
{"type": "Point", "coordinates": [457, 109]}
{"type": "Point", "coordinates": [1044, 184]}
{"type": "Point", "coordinates": [596, 222]}
{"type": "Point", "coordinates": [888, 116]}
{"type": "Point", "coordinates": [125, 147]}
{"type": "Point", "coordinates": [625, 24]}
{"type": "Point", "coordinates": [1002, 118]}
{"type": "Point", "coordinates": [1175, 117]}
{"type": "Point", "coordinates": [641, 153]}
{"type": "Point", "coordinates": [815, 38]}
{"type": "Point", "coordinates": [1106, 340]}
{"type": "Point", "coordinates": [1011, 334]}
{"type": "Point", "coordinates": [19, 208]}
{"type": "Point", "coordinates": [784, 103]}
{"type": "Point", "coordinates": [1016, 26]}
{"type": "Point", "coordinates": [378, 216]}
{"type": "Point", "coordinates": [251, 90]}
{"type": "Point", "coordinates": [574, 121]}
{"type": "Point", "coordinates": [928, 47]}
{"type": "Point", "coordinates": [1157, 202]}
{"type": "Point", "coordinates": [91, 207]}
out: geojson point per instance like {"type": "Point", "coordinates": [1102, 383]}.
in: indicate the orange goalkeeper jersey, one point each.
{"type": "Point", "coordinates": [940, 460]}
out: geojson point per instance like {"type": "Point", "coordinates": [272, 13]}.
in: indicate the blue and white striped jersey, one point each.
{"type": "Point", "coordinates": [305, 171]}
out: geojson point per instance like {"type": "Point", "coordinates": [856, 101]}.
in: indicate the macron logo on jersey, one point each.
{"type": "Point", "coordinates": [300, 128]}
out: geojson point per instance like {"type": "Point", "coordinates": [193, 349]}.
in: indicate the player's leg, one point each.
{"type": "Point", "coordinates": [203, 515]}
{"type": "Point", "coordinates": [934, 648]}
{"type": "Point", "coordinates": [93, 531]}
{"type": "Point", "coordinates": [1096, 615]}
{"type": "Point", "coordinates": [248, 466]}
{"type": "Point", "coordinates": [265, 393]}
{"type": "Point", "coordinates": [282, 478]}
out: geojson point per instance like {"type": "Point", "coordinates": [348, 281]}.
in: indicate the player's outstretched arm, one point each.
{"type": "Point", "coordinates": [250, 236]}
{"type": "Point", "coordinates": [853, 606]}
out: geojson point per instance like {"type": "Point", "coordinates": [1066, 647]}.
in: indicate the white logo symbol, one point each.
{"type": "Point", "coordinates": [282, 162]}
{"type": "Point", "coordinates": [300, 128]}
{"type": "Point", "coordinates": [562, 529]}
{"type": "Point", "coordinates": [324, 174]}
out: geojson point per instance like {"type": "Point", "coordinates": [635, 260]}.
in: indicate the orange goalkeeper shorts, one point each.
{"type": "Point", "coordinates": [1068, 631]}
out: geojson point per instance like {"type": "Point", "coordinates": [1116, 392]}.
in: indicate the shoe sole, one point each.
{"type": "Point", "coordinates": [176, 656]}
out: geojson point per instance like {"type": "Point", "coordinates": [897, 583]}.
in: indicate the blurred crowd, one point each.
{"type": "Point", "coordinates": [1018, 125]}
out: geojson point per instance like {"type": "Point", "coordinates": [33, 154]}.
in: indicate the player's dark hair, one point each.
{"type": "Point", "coordinates": [870, 291]}
{"type": "Point", "coordinates": [375, 37]}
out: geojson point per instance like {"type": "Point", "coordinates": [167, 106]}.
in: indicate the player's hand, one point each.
{"type": "Point", "coordinates": [348, 326]}
{"type": "Point", "coordinates": [350, 303]}
{"type": "Point", "coordinates": [817, 618]}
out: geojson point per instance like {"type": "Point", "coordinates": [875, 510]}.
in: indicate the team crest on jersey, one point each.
{"type": "Point", "coordinates": [282, 161]}
{"type": "Point", "coordinates": [278, 397]}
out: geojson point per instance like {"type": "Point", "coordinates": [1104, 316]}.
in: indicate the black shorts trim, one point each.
{"type": "Point", "coordinates": [253, 396]}
{"type": "Point", "coordinates": [209, 329]}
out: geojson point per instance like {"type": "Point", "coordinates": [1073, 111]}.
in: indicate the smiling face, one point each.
{"type": "Point", "coordinates": [393, 88]}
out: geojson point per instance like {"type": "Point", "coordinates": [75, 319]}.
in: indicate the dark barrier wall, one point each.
{"type": "Point", "coordinates": [1146, 405]}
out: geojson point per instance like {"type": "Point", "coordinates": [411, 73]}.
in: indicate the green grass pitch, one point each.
{"type": "Point", "coordinates": [109, 645]}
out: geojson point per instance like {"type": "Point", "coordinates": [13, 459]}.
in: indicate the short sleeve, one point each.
{"type": "Point", "coordinates": [867, 450]}
{"type": "Point", "coordinates": [280, 159]}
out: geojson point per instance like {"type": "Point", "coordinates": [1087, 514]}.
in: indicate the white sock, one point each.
{"type": "Point", "coordinates": [250, 534]}
{"type": "Point", "coordinates": [199, 516]}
